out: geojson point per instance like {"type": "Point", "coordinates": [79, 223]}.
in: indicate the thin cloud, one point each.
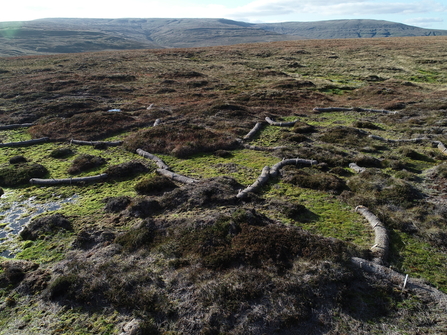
{"type": "Point", "coordinates": [335, 7]}
{"type": "Point", "coordinates": [425, 22]}
{"type": "Point", "coordinates": [257, 10]}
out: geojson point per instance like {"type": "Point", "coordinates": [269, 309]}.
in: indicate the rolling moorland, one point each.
{"type": "Point", "coordinates": [59, 35]}
{"type": "Point", "coordinates": [347, 163]}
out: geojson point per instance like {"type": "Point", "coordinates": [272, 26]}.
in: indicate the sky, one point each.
{"type": "Point", "coordinates": [422, 13]}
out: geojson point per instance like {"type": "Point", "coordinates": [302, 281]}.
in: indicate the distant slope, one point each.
{"type": "Point", "coordinates": [81, 35]}
{"type": "Point", "coordinates": [48, 36]}
{"type": "Point", "coordinates": [349, 29]}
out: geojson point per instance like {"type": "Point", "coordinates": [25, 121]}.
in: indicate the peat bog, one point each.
{"type": "Point", "coordinates": [141, 252]}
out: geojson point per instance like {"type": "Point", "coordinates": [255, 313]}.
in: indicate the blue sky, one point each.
{"type": "Point", "coordinates": [422, 13]}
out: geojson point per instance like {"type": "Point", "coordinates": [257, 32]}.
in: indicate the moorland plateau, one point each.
{"type": "Point", "coordinates": [186, 247]}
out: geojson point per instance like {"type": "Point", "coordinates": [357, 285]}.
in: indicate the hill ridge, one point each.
{"type": "Point", "coordinates": [72, 35]}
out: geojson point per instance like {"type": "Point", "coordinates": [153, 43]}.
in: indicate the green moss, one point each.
{"type": "Point", "coordinates": [424, 76]}
{"type": "Point", "coordinates": [327, 215]}
{"type": "Point", "coordinates": [326, 119]}
{"type": "Point", "coordinates": [244, 165]}
{"type": "Point", "coordinates": [14, 135]}
{"type": "Point", "coordinates": [270, 136]}
{"type": "Point", "coordinates": [418, 259]}
{"type": "Point", "coordinates": [90, 197]}
{"type": "Point", "coordinates": [46, 251]}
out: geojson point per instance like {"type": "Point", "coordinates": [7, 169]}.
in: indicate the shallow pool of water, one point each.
{"type": "Point", "coordinates": [18, 213]}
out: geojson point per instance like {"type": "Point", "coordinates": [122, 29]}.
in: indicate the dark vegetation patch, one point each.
{"type": "Point", "coordinates": [211, 192]}
{"type": "Point", "coordinates": [85, 126]}
{"type": "Point", "coordinates": [344, 135]}
{"type": "Point", "coordinates": [294, 84]}
{"type": "Point", "coordinates": [181, 74]}
{"type": "Point", "coordinates": [67, 107]}
{"type": "Point", "coordinates": [17, 160]}
{"type": "Point", "coordinates": [440, 171]}
{"type": "Point", "coordinates": [136, 238]}
{"type": "Point", "coordinates": [367, 161]}
{"type": "Point", "coordinates": [273, 98]}
{"type": "Point", "coordinates": [84, 163]}
{"type": "Point", "coordinates": [296, 138]}
{"type": "Point", "coordinates": [143, 207]}
{"type": "Point", "coordinates": [165, 90]}
{"type": "Point", "coordinates": [339, 171]}
{"type": "Point", "coordinates": [126, 170]}
{"type": "Point", "coordinates": [406, 175]}
{"type": "Point", "coordinates": [45, 225]}
{"type": "Point", "coordinates": [154, 185]}
{"type": "Point", "coordinates": [118, 77]}
{"type": "Point", "coordinates": [14, 272]}
{"type": "Point", "coordinates": [15, 175]}
{"type": "Point", "coordinates": [251, 239]}
{"type": "Point", "coordinates": [366, 125]}
{"type": "Point", "coordinates": [413, 154]}
{"type": "Point", "coordinates": [185, 141]}
{"type": "Point", "coordinates": [374, 188]}
{"type": "Point", "coordinates": [88, 238]}
{"type": "Point", "coordinates": [303, 128]}
{"type": "Point", "coordinates": [231, 111]}
{"type": "Point", "coordinates": [61, 153]}
{"type": "Point", "coordinates": [395, 163]}
{"type": "Point", "coordinates": [330, 155]}
{"type": "Point", "coordinates": [116, 204]}
{"type": "Point", "coordinates": [223, 153]}
{"type": "Point", "coordinates": [125, 289]}
{"type": "Point", "coordinates": [438, 238]}
{"type": "Point", "coordinates": [291, 210]}
{"type": "Point", "coordinates": [317, 181]}
{"type": "Point", "coordinates": [197, 83]}
{"type": "Point", "coordinates": [271, 73]}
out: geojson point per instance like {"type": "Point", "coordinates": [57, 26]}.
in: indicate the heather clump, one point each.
{"type": "Point", "coordinates": [84, 163]}
{"type": "Point", "coordinates": [15, 175]}
{"type": "Point", "coordinates": [182, 143]}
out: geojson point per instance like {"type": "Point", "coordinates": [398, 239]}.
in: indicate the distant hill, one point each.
{"type": "Point", "coordinates": [48, 36]}
{"type": "Point", "coordinates": [348, 29]}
